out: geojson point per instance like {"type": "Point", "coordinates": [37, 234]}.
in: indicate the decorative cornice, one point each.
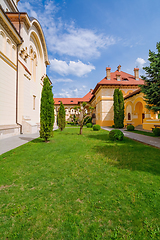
{"type": "Point", "coordinates": [8, 61]}
{"type": "Point", "coordinates": [9, 27]}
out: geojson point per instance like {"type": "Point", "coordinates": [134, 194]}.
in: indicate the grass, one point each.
{"type": "Point", "coordinates": [150, 134]}
{"type": "Point", "coordinates": [80, 187]}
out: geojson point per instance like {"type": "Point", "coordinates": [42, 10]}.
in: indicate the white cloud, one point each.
{"type": "Point", "coordinates": [73, 91]}
{"type": "Point", "coordinates": [75, 68]}
{"type": "Point", "coordinates": [140, 62]}
{"type": "Point", "coordinates": [65, 38]}
{"type": "Point", "coordinates": [82, 43]}
{"type": "Point", "coordinates": [63, 80]}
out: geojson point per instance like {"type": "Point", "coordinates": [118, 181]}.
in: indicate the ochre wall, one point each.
{"type": "Point", "coordinates": [135, 105]}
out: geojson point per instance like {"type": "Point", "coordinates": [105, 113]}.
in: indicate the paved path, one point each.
{"type": "Point", "coordinates": [12, 142]}
{"type": "Point", "coordinates": [153, 141]}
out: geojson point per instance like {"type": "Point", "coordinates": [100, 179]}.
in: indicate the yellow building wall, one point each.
{"type": "Point", "coordinates": [104, 104]}
{"type": "Point", "coordinates": [139, 114]}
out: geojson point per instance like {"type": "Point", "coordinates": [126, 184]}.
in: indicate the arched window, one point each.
{"type": "Point", "coordinates": [8, 48]}
{"type": "Point", "coordinates": [2, 42]}
{"type": "Point", "coordinates": [14, 53]}
{"type": "Point", "coordinates": [34, 66]}
{"type": "Point", "coordinates": [129, 116]}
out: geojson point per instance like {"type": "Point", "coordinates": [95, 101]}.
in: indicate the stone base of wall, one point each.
{"type": "Point", "coordinates": [9, 130]}
{"type": "Point", "coordinates": [29, 127]}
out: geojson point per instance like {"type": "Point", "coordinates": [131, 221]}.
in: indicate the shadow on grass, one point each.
{"type": "Point", "coordinates": [129, 154]}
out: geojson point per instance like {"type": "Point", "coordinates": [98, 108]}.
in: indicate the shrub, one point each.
{"type": "Point", "coordinates": [96, 127]}
{"type": "Point", "coordinates": [116, 135]}
{"type": "Point", "coordinates": [156, 131]}
{"type": "Point", "coordinates": [113, 126]}
{"type": "Point", "coordinates": [88, 120]}
{"type": "Point", "coordinates": [72, 123]}
{"type": "Point", "coordinates": [130, 127]}
{"type": "Point", "coordinates": [89, 125]}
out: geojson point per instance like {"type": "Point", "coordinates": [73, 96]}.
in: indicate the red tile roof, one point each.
{"type": "Point", "coordinates": [126, 80]}
{"type": "Point", "coordinates": [73, 101]}
{"type": "Point", "coordinates": [133, 93]}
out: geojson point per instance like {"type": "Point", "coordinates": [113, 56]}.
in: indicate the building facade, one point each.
{"type": "Point", "coordinates": [102, 98]}
{"type": "Point", "coordinates": [23, 61]}
{"type": "Point", "coordinates": [136, 112]}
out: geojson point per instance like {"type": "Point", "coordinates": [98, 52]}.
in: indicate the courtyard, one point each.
{"type": "Point", "coordinates": [80, 187]}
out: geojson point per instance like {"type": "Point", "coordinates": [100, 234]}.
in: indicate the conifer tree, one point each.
{"type": "Point", "coordinates": [46, 111]}
{"type": "Point", "coordinates": [118, 108]}
{"type": "Point", "coordinates": [151, 87]}
{"type": "Point", "coordinates": [61, 117]}
{"type": "Point", "coordinates": [121, 110]}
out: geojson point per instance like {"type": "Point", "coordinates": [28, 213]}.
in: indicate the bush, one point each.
{"type": "Point", "coordinates": [96, 127]}
{"type": "Point", "coordinates": [72, 123]}
{"type": "Point", "coordinates": [156, 131]}
{"type": "Point", "coordinates": [89, 125]}
{"type": "Point", "coordinates": [116, 135]}
{"type": "Point", "coordinates": [130, 127]}
{"type": "Point", "coordinates": [88, 120]}
{"type": "Point", "coordinates": [113, 126]}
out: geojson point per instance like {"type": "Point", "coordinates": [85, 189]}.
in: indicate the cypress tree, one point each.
{"type": "Point", "coordinates": [151, 88]}
{"type": "Point", "coordinates": [118, 108]}
{"type": "Point", "coordinates": [61, 117]}
{"type": "Point", "coordinates": [46, 111]}
{"type": "Point", "coordinates": [121, 110]}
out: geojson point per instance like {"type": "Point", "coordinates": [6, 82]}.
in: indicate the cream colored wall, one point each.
{"type": "Point", "coordinates": [7, 94]}
{"type": "Point", "coordinates": [104, 104]}
{"type": "Point", "coordinates": [7, 79]}
{"type": "Point", "coordinates": [32, 86]}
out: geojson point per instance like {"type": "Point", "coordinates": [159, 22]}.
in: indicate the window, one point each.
{"type": "Point", "coordinates": [129, 116]}
{"type": "Point", "coordinates": [34, 102]}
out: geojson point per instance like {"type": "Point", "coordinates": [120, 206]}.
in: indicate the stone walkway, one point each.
{"type": "Point", "coordinates": [10, 143]}
{"type": "Point", "coordinates": [153, 141]}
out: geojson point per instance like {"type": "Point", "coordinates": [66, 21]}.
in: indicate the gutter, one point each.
{"type": "Point", "coordinates": [17, 80]}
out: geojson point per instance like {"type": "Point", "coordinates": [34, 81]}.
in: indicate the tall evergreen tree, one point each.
{"type": "Point", "coordinates": [46, 111]}
{"type": "Point", "coordinates": [61, 117]}
{"type": "Point", "coordinates": [121, 110]}
{"type": "Point", "coordinates": [118, 108]}
{"type": "Point", "coordinates": [151, 88]}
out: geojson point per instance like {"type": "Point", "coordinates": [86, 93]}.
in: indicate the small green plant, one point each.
{"type": "Point", "coordinates": [89, 125]}
{"type": "Point", "coordinates": [130, 127]}
{"type": "Point", "coordinates": [96, 127]}
{"type": "Point", "coordinates": [156, 131]}
{"type": "Point", "coordinates": [116, 135]}
{"type": "Point", "coordinates": [113, 126]}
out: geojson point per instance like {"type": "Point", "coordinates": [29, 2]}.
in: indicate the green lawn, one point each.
{"type": "Point", "coordinates": [80, 187]}
{"type": "Point", "coordinates": [150, 134]}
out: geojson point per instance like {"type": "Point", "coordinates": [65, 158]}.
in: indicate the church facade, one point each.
{"type": "Point", "coordinates": [23, 61]}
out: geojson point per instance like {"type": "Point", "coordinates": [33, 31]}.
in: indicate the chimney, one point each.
{"type": "Point", "coordinates": [108, 73]}
{"type": "Point", "coordinates": [136, 73]}
{"type": "Point", "coordinates": [119, 68]}
{"type": "Point", "coordinates": [118, 77]}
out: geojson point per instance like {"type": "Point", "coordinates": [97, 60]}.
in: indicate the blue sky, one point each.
{"type": "Point", "coordinates": [85, 36]}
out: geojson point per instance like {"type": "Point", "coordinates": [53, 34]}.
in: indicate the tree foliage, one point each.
{"type": "Point", "coordinates": [118, 109]}
{"type": "Point", "coordinates": [82, 114]}
{"type": "Point", "coordinates": [61, 117]}
{"type": "Point", "coordinates": [151, 87]}
{"type": "Point", "coordinates": [46, 111]}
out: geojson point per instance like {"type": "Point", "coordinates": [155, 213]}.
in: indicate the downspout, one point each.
{"type": "Point", "coordinates": [17, 80]}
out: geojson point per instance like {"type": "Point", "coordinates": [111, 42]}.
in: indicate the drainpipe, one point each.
{"type": "Point", "coordinates": [17, 80]}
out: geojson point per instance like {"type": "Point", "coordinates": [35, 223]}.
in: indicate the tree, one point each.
{"type": "Point", "coordinates": [151, 87]}
{"type": "Point", "coordinates": [118, 109]}
{"type": "Point", "coordinates": [46, 111]}
{"type": "Point", "coordinates": [82, 114]}
{"type": "Point", "coordinates": [61, 117]}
